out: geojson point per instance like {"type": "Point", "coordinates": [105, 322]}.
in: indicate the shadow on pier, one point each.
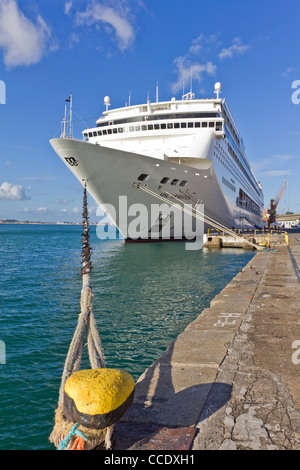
{"type": "Point", "coordinates": [162, 418]}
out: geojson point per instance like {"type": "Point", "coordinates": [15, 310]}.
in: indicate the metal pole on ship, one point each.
{"type": "Point", "coordinates": [71, 111]}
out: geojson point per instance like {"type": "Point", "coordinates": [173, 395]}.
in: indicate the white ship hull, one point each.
{"type": "Point", "coordinates": [112, 173]}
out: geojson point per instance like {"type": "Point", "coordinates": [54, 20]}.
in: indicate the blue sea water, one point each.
{"type": "Point", "coordinates": [144, 296]}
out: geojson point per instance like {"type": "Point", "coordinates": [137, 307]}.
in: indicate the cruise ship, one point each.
{"type": "Point", "coordinates": [171, 155]}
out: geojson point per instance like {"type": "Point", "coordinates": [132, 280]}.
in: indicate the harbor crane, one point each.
{"type": "Point", "coordinates": [270, 214]}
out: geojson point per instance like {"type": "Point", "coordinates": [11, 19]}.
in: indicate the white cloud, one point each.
{"type": "Point", "coordinates": [115, 19]}
{"type": "Point", "coordinates": [287, 72]}
{"type": "Point", "coordinates": [187, 71]}
{"type": "Point", "coordinates": [276, 173]}
{"type": "Point", "coordinates": [42, 209]}
{"type": "Point", "coordinates": [75, 210]}
{"type": "Point", "coordinates": [283, 157]}
{"type": "Point", "coordinates": [203, 44]}
{"type": "Point", "coordinates": [270, 166]}
{"type": "Point", "coordinates": [236, 48]}
{"type": "Point", "coordinates": [22, 41]}
{"type": "Point", "coordinates": [189, 68]}
{"type": "Point", "coordinates": [64, 201]}
{"type": "Point", "coordinates": [68, 6]}
{"type": "Point", "coordinates": [38, 178]}
{"type": "Point", "coordinates": [13, 192]}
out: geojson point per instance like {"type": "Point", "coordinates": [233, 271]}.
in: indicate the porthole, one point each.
{"type": "Point", "coordinates": [143, 177]}
{"type": "Point", "coordinates": [165, 180]}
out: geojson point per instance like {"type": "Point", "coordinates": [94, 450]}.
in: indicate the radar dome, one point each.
{"type": "Point", "coordinates": [106, 99]}
{"type": "Point", "coordinates": [217, 86]}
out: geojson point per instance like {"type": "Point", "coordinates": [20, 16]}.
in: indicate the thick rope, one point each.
{"type": "Point", "coordinates": [86, 321]}
{"type": "Point", "coordinates": [62, 434]}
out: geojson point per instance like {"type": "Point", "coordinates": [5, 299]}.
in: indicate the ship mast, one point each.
{"type": "Point", "coordinates": [64, 121]}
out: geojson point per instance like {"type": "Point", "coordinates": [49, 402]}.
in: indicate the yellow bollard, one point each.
{"type": "Point", "coordinates": [286, 239]}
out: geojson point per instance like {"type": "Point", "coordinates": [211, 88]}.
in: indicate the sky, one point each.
{"type": "Point", "coordinates": [95, 48]}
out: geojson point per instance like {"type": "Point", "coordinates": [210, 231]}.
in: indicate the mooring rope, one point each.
{"type": "Point", "coordinates": [85, 324]}
{"type": "Point", "coordinates": [86, 320]}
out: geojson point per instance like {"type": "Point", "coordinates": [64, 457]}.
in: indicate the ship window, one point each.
{"type": "Point", "coordinates": [163, 126]}
{"type": "Point", "coordinates": [190, 124]}
{"type": "Point", "coordinates": [121, 130]}
{"type": "Point", "coordinates": [144, 128]}
{"type": "Point", "coordinates": [90, 134]}
{"type": "Point", "coordinates": [218, 126]}
{"type": "Point", "coordinates": [197, 124]}
{"type": "Point", "coordinates": [104, 132]}
{"type": "Point", "coordinates": [95, 134]}
{"type": "Point", "coordinates": [170, 125]}
{"type": "Point", "coordinates": [131, 129]}
{"type": "Point", "coordinates": [174, 182]}
{"type": "Point", "coordinates": [150, 127]}
{"type": "Point", "coordinates": [183, 183]}
{"type": "Point", "coordinates": [115, 130]}
{"type": "Point", "coordinates": [211, 124]}
{"type": "Point", "coordinates": [99, 132]}
{"type": "Point", "coordinates": [143, 177]}
{"type": "Point", "coordinates": [109, 131]}
{"type": "Point", "coordinates": [137, 128]}
{"type": "Point", "coordinates": [183, 125]}
{"type": "Point", "coordinates": [204, 124]}
{"type": "Point", "coordinates": [156, 126]}
{"type": "Point", "coordinates": [165, 180]}
{"type": "Point", "coordinates": [176, 125]}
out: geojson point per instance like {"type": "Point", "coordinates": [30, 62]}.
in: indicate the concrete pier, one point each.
{"type": "Point", "coordinates": [230, 380]}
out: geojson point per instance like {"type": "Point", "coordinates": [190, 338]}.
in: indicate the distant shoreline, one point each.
{"type": "Point", "coordinates": [17, 222]}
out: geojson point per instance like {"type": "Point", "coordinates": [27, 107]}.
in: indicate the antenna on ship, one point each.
{"type": "Point", "coordinates": [217, 89]}
{"type": "Point", "coordinates": [107, 102]}
{"type": "Point", "coordinates": [70, 100]}
{"type": "Point", "coordinates": [64, 121]}
{"type": "Point", "coordinates": [156, 92]}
